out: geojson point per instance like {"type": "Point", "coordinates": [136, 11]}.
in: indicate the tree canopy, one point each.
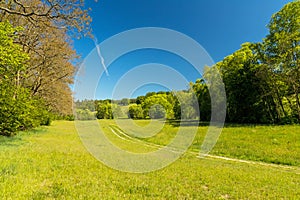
{"type": "Point", "coordinates": [262, 80]}
{"type": "Point", "coordinates": [37, 54]}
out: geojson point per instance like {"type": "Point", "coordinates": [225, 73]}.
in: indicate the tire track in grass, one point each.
{"type": "Point", "coordinates": [112, 130]}
{"type": "Point", "coordinates": [294, 168]}
{"type": "Point", "coordinates": [122, 135]}
{"type": "Point", "coordinates": [127, 137]}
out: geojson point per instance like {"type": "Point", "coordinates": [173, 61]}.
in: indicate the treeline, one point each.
{"type": "Point", "coordinates": [262, 82]}
{"type": "Point", "coordinates": [154, 105]}
{"type": "Point", "coordinates": [37, 60]}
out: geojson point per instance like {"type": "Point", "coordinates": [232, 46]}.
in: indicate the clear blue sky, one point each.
{"type": "Point", "coordinates": [220, 26]}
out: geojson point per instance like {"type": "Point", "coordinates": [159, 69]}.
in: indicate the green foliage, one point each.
{"type": "Point", "coordinates": [136, 111]}
{"type": "Point", "coordinates": [85, 104]}
{"type": "Point", "coordinates": [164, 100]}
{"type": "Point", "coordinates": [84, 114]}
{"type": "Point", "coordinates": [19, 110]}
{"type": "Point", "coordinates": [117, 111]}
{"type": "Point", "coordinates": [154, 105]}
{"type": "Point", "coordinates": [105, 110]}
{"type": "Point", "coordinates": [157, 111]}
{"type": "Point", "coordinates": [243, 87]}
{"type": "Point", "coordinates": [201, 91]}
{"type": "Point", "coordinates": [63, 117]}
{"type": "Point", "coordinates": [9, 114]}
{"type": "Point", "coordinates": [140, 99]}
{"type": "Point", "coordinates": [281, 52]}
{"type": "Point", "coordinates": [262, 80]}
{"type": "Point", "coordinates": [124, 102]}
{"type": "Point", "coordinates": [12, 58]}
{"type": "Point", "coordinates": [185, 105]}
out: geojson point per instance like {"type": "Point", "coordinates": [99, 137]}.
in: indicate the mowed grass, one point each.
{"type": "Point", "coordinates": [52, 163]}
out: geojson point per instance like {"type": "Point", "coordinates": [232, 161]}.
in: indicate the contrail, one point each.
{"type": "Point", "coordinates": [100, 55]}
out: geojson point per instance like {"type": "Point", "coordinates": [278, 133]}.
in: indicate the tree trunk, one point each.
{"type": "Point", "coordinates": [297, 101]}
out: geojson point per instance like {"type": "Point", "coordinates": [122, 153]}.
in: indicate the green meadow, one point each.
{"type": "Point", "coordinates": [52, 163]}
{"type": "Point", "coordinates": [53, 69]}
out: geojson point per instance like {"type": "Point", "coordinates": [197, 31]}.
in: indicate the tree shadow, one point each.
{"type": "Point", "coordinates": [177, 123]}
{"type": "Point", "coordinates": [236, 125]}
{"type": "Point", "coordinates": [12, 141]}
{"type": "Point", "coordinates": [18, 140]}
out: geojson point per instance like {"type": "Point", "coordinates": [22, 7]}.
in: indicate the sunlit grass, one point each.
{"type": "Point", "coordinates": [271, 144]}
{"type": "Point", "coordinates": [52, 163]}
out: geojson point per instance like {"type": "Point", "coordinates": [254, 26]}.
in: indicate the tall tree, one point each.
{"type": "Point", "coordinates": [282, 51]}
{"type": "Point", "coordinates": [18, 110]}
{"type": "Point", "coordinates": [245, 102]}
{"type": "Point", "coordinates": [64, 14]}
{"type": "Point", "coordinates": [201, 91]}
{"type": "Point", "coordinates": [47, 27]}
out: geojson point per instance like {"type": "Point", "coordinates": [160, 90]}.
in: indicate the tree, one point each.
{"type": "Point", "coordinates": [140, 99]}
{"type": "Point", "coordinates": [84, 114]}
{"type": "Point", "coordinates": [166, 101]}
{"type": "Point", "coordinates": [104, 110]}
{"type": "Point", "coordinates": [46, 39]}
{"type": "Point", "coordinates": [157, 111]}
{"type": "Point", "coordinates": [136, 111]}
{"type": "Point", "coordinates": [50, 71]}
{"type": "Point", "coordinates": [18, 109]}
{"type": "Point", "coordinates": [281, 50]}
{"type": "Point", "coordinates": [124, 102]}
{"type": "Point", "coordinates": [64, 14]}
{"type": "Point", "coordinates": [185, 105]}
{"type": "Point", "coordinates": [201, 91]}
{"type": "Point", "coordinates": [85, 104]}
{"type": "Point", "coordinates": [245, 102]}
{"type": "Point", "coordinates": [117, 111]}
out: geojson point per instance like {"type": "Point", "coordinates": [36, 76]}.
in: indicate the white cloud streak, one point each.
{"type": "Point", "coordinates": [100, 55]}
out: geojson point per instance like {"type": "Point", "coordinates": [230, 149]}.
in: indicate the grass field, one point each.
{"type": "Point", "coordinates": [270, 144]}
{"type": "Point", "coordinates": [51, 163]}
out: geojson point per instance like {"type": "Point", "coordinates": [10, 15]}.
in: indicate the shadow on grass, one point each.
{"type": "Point", "coordinates": [18, 139]}
{"type": "Point", "coordinates": [12, 141]}
{"type": "Point", "coordinates": [177, 123]}
{"type": "Point", "coordinates": [233, 125]}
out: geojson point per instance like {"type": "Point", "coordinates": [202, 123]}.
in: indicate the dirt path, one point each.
{"type": "Point", "coordinates": [122, 135]}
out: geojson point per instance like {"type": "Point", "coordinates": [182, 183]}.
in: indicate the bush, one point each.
{"type": "Point", "coordinates": [157, 112]}
{"type": "Point", "coordinates": [136, 111]}
{"type": "Point", "coordinates": [20, 111]}
{"type": "Point", "coordinates": [84, 114]}
{"type": "Point", "coordinates": [104, 111]}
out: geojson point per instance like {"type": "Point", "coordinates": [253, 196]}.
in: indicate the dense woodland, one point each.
{"type": "Point", "coordinates": [38, 62]}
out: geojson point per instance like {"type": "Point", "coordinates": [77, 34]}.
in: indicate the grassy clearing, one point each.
{"type": "Point", "coordinates": [270, 144]}
{"type": "Point", "coordinates": [51, 163]}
